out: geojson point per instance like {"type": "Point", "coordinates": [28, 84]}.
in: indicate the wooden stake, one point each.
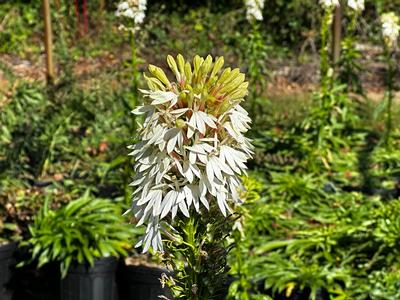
{"type": "Point", "coordinates": [85, 17]}
{"type": "Point", "coordinates": [100, 17]}
{"type": "Point", "coordinates": [102, 5]}
{"type": "Point", "coordinates": [58, 4]}
{"type": "Point", "coordinates": [48, 42]}
{"type": "Point", "coordinates": [337, 34]}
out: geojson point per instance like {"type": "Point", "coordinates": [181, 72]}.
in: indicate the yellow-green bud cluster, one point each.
{"type": "Point", "coordinates": [201, 83]}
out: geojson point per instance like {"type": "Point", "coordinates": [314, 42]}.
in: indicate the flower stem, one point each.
{"type": "Point", "coordinates": [193, 259]}
{"type": "Point", "coordinates": [389, 82]}
{"type": "Point", "coordinates": [135, 72]}
{"type": "Point", "coordinates": [324, 54]}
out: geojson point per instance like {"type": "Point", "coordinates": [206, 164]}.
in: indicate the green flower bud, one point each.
{"type": "Point", "coordinates": [232, 75]}
{"type": "Point", "coordinates": [188, 72]}
{"type": "Point", "coordinates": [233, 84]}
{"type": "Point", "coordinates": [183, 96]}
{"type": "Point", "coordinates": [206, 66]}
{"type": "Point", "coordinates": [154, 83]}
{"type": "Point", "coordinates": [181, 64]}
{"type": "Point", "coordinates": [172, 65]}
{"type": "Point", "coordinates": [159, 73]}
{"type": "Point", "coordinates": [211, 81]}
{"type": "Point", "coordinates": [180, 123]}
{"type": "Point", "coordinates": [197, 62]}
{"type": "Point", "coordinates": [224, 106]}
{"type": "Point", "coordinates": [204, 95]}
{"type": "Point", "coordinates": [211, 98]}
{"type": "Point", "coordinates": [224, 75]}
{"type": "Point", "coordinates": [239, 93]}
{"type": "Point", "coordinates": [198, 88]}
{"type": "Point", "coordinates": [217, 66]}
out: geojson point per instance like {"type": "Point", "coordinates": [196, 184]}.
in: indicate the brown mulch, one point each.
{"type": "Point", "coordinates": [288, 77]}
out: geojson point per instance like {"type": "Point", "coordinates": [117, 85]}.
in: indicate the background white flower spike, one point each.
{"type": "Point", "coordinates": [357, 5]}
{"type": "Point", "coordinates": [328, 4]}
{"type": "Point", "coordinates": [254, 10]}
{"type": "Point", "coordinates": [191, 148]}
{"type": "Point", "coordinates": [390, 28]}
{"type": "Point", "coordinates": [133, 11]}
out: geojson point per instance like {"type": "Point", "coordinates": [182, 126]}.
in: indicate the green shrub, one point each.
{"type": "Point", "coordinates": [79, 232]}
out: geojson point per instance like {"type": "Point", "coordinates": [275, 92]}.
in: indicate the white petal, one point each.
{"type": "Point", "coordinates": [183, 208]}
{"type": "Point", "coordinates": [151, 195]}
{"type": "Point", "coordinates": [195, 169]}
{"type": "Point", "coordinates": [171, 133]}
{"type": "Point", "coordinates": [221, 199]}
{"type": "Point", "coordinates": [187, 171]}
{"type": "Point", "coordinates": [171, 144]}
{"type": "Point", "coordinates": [214, 163]}
{"type": "Point", "coordinates": [166, 205]}
{"type": "Point", "coordinates": [205, 202]}
{"type": "Point", "coordinates": [202, 158]}
{"type": "Point", "coordinates": [154, 241]}
{"type": "Point", "coordinates": [174, 211]}
{"type": "Point", "coordinates": [190, 131]}
{"type": "Point", "coordinates": [210, 171]}
{"type": "Point", "coordinates": [200, 124]}
{"type": "Point", "coordinates": [208, 119]}
{"type": "Point", "coordinates": [161, 97]}
{"type": "Point", "coordinates": [179, 112]}
{"type": "Point", "coordinates": [192, 157]}
{"type": "Point", "coordinates": [157, 205]}
{"type": "Point", "coordinates": [148, 237]}
{"type": "Point", "coordinates": [188, 194]}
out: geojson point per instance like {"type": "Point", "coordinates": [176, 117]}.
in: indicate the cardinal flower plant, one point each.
{"type": "Point", "coordinates": [190, 154]}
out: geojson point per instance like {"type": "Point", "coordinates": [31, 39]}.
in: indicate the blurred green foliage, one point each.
{"type": "Point", "coordinates": [18, 22]}
{"type": "Point", "coordinates": [322, 203]}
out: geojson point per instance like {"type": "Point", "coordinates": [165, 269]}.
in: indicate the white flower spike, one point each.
{"type": "Point", "coordinates": [254, 10]}
{"type": "Point", "coordinates": [390, 28]}
{"type": "Point", "coordinates": [329, 4]}
{"type": "Point", "coordinates": [191, 148]}
{"type": "Point", "coordinates": [356, 5]}
{"type": "Point", "coordinates": [133, 10]}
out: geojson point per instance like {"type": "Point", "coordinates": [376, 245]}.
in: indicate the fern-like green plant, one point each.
{"type": "Point", "coordinates": [79, 232]}
{"type": "Point", "coordinates": [8, 232]}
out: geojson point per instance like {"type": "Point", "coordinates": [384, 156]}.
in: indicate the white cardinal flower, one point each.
{"type": "Point", "coordinates": [254, 10]}
{"type": "Point", "coordinates": [357, 5]}
{"type": "Point", "coordinates": [390, 28]}
{"type": "Point", "coordinates": [328, 4]}
{"type": "Point", "coordinates": [192, 149]}
{"type": "Point", "coordinates": [132, 10]}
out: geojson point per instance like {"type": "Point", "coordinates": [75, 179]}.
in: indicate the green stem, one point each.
{"type": "Point", "coordinates": [389, 83]}
{"type": "Point", "coordinates": [134, 68]}
{"type": "Point", "coordinates": [349, 46]}
{"type": "Point", "coordinates": [193, 259]}
{"type": "Point", "coordinates": [324, 55]}
{"type": "Point", "coordinates": [253, 69]}
{"type": "Point", "coordinates": [326, 78]}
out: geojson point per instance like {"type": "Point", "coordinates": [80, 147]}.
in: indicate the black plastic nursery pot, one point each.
{"type": "Point", "coordinates": [302, 294]}
{"type": "Point", "coordinates": [91, 283]}
{"type": "Point", "coordinates": [140, 283]}
{"type": "Point", "coordinates": [31, 283]}
{"type": "Point", "coordinates": [7, 263]}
